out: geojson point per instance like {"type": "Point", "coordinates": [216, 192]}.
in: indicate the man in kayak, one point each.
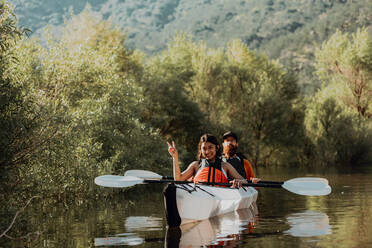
{"type": "Point", "coordinates": [209, 167]}
{"type": "Point", "coordinates": [236, 159]}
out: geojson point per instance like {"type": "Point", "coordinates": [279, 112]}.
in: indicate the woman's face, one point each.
{"type": "Point", "coordinates": [208, 150]}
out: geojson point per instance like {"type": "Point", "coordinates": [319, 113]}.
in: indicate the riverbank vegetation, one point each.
{"type": "Point", "coordinates": [83, 105]}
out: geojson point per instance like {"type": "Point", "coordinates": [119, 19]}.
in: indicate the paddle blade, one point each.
{"type": "Point", "coordinates": [143, 174]}
{"type": "Point", "coordinates": [117, 181]}
{"type": "Point", "coordinates": [310, 186]}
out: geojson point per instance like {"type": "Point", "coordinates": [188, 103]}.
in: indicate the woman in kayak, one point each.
{"type": "Point", "coordinates": [209, 168]}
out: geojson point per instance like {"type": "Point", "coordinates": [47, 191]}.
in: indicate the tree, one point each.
{"type": "Point", "coordinates": [16, 121]}
{"type": "Point", "coordinates": [167, 105]}
{"type": "Point", "coordinates": [240, 90]}
{"type": "Point", "coordinates": [348, 63]}
{"type": "Point", "coordinates": [261, 97]}
{"type": "Point", "coordinates": [337, 136]}
{"type": "Point", "coordinates": [338, 119]}
{"type": "Point", "coordinates": [84, 86]}
{"type": "Point", "coordinates": [234, 89]}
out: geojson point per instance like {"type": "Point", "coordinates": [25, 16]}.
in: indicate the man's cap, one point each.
{"type": "Point", "coordinates": [230, 134]}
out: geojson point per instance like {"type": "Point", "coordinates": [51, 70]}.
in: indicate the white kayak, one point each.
{"type": "Point", "coordinates": [192, 202]}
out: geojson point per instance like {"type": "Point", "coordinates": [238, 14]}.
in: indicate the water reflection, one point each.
{"type": "Point", "coordinates": [128, 239]}
{"type": "Point", "coordinates": [148, 223]}
{"type": "Point", "coordinates": [136, 218]}
{"type": "Point", "coordinates": [133, 226]}
{"type": "Point", "coordinates": [219, 230]}
{"type": "Point", "coordinates": [308, 224]}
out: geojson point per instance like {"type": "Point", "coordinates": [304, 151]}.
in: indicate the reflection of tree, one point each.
{"type": "Point", "coordinates": [28, 235]}
{"type": "Point", "coordinates": [351, 213]}
{"type": "Point", "coordinates": [77, 222]}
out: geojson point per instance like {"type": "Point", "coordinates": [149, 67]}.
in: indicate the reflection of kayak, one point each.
{"type": "Point", "coordinates": [128, 239]}
{"type": "Point", "coordinates": [188, 202]}
{"type": "Point", "coordinates": [217, 230]}
{"type": "Point", "coordinates": [133, 226]}
{"type": "Point", "coordinates": [143, 223]}
{"type": "Point", "coordinates": [308, 224]}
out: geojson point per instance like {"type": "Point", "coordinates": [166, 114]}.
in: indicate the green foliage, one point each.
{"type": "Point", "coordinates": [9, 32]}
{"type": "Point", "coordinates": [338, 120]}
{"type": "Point", "coordinates": [296, 49]}
{"type": "Point", "coordinates": [284, 30]}
{"type": "Point", "coordinates": [16, 124]}
{"type": "Point", "coordinates": [260, 104]}
{"type": "Point", "coordinates": [337, 135]}
{"type": "Point", "coordinates": [152, 23]}
{"type": "Point", "coordinates": [234, 89]}
{"type": "Point", "coordinates": [251, 95]}
{"type": "Point", "coordinates": [84, 88]}
{"type": "Point", "coordinates": [349, 63]}
{"type": "Point", "coordinates": [167, 106]}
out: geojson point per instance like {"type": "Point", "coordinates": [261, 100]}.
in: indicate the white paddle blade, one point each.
{"type": "Point", "coordinates": [310, 186]}
{"type": "Point", "coordinates": [143, 174]}
{"type": "Point", "coordinates": [117, 181]}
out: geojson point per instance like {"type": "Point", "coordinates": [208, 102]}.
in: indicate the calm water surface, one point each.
{"type": "Point", "coordinates": [280, 219]}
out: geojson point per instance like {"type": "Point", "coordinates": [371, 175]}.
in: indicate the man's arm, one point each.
{"type": "Point", "coordinates": [248, 169]}
{"type": "Point", "coordinates": [249, 172]}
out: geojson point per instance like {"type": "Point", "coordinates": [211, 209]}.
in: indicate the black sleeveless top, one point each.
{"type": "Point", "coordinates": [238, 165]}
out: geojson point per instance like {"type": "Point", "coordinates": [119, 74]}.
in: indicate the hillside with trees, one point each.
{"type": "Point", "coordinates": [284, 30]}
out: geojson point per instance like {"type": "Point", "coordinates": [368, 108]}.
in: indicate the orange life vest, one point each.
{"type": "Point", "coordinates": [211, 172]}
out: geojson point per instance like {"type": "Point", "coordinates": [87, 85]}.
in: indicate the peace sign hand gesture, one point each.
{"type": "Point", "coordinates": [172, 150]}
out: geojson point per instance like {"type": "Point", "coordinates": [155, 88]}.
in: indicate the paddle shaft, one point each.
{"type": "Point", "coordinates": [249, 181]}
{"type": "Point", "coordinates": [259, 184]}
{"type": "Point", "coordinates": [152, 175]}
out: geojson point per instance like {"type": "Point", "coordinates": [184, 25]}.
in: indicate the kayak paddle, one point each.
{"type": "Point", "coordinates": [310, 186]}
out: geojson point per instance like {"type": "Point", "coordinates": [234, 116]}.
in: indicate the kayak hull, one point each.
{"type": "Point", "coordinates": [200, 202]}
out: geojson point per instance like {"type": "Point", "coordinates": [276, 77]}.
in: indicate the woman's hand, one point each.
{"type": "Point", "coordinates": [255, 180]}
{"type": "Point", "coordinates": [172, 150]}
{"type": "Point", "coordinates": [237, 183]}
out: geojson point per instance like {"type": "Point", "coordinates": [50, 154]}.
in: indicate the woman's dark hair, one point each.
{"type": "Point", "coordinates": [209, 138]}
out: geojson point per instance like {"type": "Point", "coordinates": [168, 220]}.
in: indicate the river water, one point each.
{"type": "Point", "coordinates": [279, 219]}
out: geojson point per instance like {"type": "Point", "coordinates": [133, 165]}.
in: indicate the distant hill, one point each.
{"type": "Point", "coordinates": [283, 29]}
